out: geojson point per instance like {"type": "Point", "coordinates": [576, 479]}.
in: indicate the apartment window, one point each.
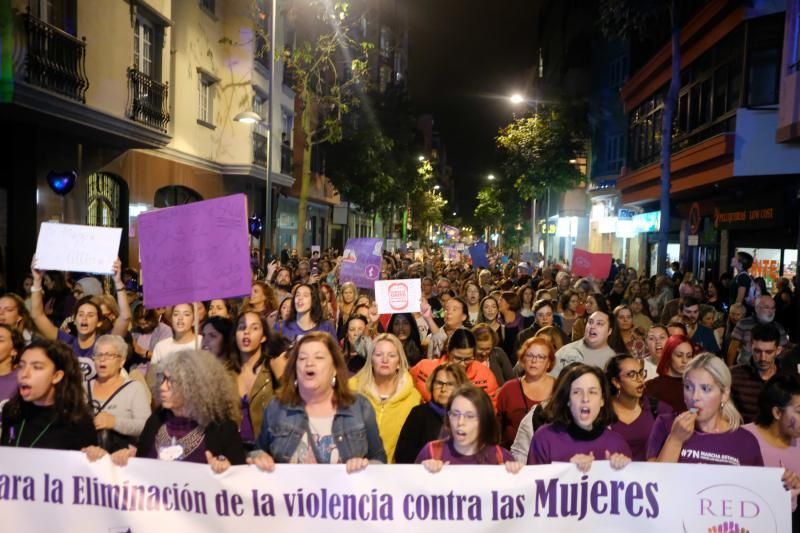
{"type": "Point", "coordinates": [208, 5]}
{"type": "Point", "coordinates": [143, 46]}
{"type": "Point", "coordinates": [260, 108]}
{"type": "Point", "coordinates": [618, 71]}
{"type": "Point", "coordinates": [614, 157]}
{"type": "Point", "coordinates": [386, 42]}
{"type": "Point", "coordinates": [765, 43]}
{"type": "Point", "coordinates": [205, 89]}
{"type": "Point", "coordinates": [59, 13]}
{"type": "Point", "coordinates": [287, 123]}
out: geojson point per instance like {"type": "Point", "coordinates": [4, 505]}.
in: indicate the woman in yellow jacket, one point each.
{"type": "Point", "coordinates": [388, 386]}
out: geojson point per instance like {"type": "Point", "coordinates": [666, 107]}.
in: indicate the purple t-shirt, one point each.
{"type": "Point", "coordinates": [487, 456]}
{"type": "Point", "coordinates": [637, 432]}
{"type": "Point", "coordinates": [292, 330]}
{"type": "Point", "coordinates": [8, 385]}
{"type": "Point", "coordinates": [84, 355]}
{"type": "Point", "coordinates": [778, 457]}
{"type": "Point", "coordinates": [552, 443]}
{"type": "Point", "coordinates": [738, 448]}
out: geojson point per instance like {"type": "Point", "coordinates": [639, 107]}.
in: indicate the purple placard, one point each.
{"type": "Point", "coordinates": [361, 262]}
{"type": "Point", "coordinates": [195, 252]}
{"type": "Point", "coordinates": [478, 253]}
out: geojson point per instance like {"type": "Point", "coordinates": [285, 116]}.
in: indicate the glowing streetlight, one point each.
{"type": "Point", "coordinates": [248, 117]}
{"type": "Point", "coordinates": [436, 187]}
{"type": "Point", "coordinates": [421, 158]}
{"type": "Point", "coordinates": [490, 177]}
{"type": "Point", "coordinates": [516, 99]}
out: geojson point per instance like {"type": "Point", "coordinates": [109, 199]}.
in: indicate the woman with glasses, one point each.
{"type": "Point", "coordinates": [580, 413]}
{"type": "Point", "coordinates": [120, 404]}
{"type": "Point", "coordinates": [388, 386]}
{"type": "Point", "coordinates": [424, 422]}
{"type": "Point", "coordinates": [668, 386]}
{"type": "Point", "coordinates": [635, 412]}
{"type": "Point", "coordinates": [195, 419]}
{"type": "Point", "coordinates": [472, 435]}
{"type": "Point", "coordinates": [520, 395]}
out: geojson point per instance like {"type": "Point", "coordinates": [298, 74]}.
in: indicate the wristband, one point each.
{"type": "Point", "coordinates": [36, 289]}
{"type": "Point", "coordinates": [121, 288]}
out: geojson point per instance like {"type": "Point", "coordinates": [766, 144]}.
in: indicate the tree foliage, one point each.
{"type": "Point", "coordinates": [537, 151]}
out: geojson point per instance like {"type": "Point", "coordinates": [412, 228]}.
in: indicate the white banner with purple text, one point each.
{"type": "Point", "coordinates": [44, 491]}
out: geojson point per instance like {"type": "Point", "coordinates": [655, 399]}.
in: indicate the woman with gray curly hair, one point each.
{"type": "Point", "coordinates": [195, 416]}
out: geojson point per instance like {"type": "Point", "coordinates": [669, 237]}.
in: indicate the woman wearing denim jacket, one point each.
{"type": "Point", "coordinates": [315, 418]}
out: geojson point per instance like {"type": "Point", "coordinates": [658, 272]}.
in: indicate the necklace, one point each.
{"type": "Point", "coordinates": [39, 436]}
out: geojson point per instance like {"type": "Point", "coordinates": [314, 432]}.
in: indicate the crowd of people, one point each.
{"type": "Point", "coordinates": [509, 365]}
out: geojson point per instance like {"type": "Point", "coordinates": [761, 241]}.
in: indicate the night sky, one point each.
{"type": "Point", "coordinates": [466, 58]}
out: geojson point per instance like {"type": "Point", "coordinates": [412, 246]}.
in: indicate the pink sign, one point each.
{"type": "Point", "coordinates": [589, 264]}
{"type": "Point", "coordinates": [195, 252]}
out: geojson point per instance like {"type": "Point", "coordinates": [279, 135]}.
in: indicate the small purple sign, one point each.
{"type": "Point", "coordinates": [195, 252]}
{"type": "Point", "coordinates": [361, 262]}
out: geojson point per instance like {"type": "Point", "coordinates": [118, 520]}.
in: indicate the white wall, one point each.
{"type": "Point", "coordinates": [756, 152]}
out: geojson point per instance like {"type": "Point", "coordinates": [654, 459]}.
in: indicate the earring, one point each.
{"type": "Point", "coordinates": [722, 405]}
{"type": "Point", "coordinates": [333, 381]}
{"type": "Point", "coordinates": [295, 383]}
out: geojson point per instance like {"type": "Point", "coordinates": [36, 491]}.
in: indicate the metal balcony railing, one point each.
{"type": "Point", "coordinates": [259, 149]}
{"type": "Point", "coordinates": [55, 60]}
{"type": "Point", "coordinates": [147, 100]}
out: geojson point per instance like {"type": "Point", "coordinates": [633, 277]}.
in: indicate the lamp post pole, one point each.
{"type": "Point", "coordinates": [271, 86]}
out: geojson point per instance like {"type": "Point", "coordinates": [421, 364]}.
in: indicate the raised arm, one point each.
{"type": "Point", "coordinates": [43, 324]}
{"type": "Point", "coordinates": [123, 321]}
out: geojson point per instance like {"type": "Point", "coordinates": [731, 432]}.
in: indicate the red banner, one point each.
{"type": "Point", "coordinates": [588, 264]}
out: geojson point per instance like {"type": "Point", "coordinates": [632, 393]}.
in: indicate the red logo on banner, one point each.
{"type": "Point", "coordinates": [398, 296]}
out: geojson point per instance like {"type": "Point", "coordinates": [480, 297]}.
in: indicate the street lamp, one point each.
{"type": "Point", "coordinates": [490, 177]}
{"type": "Point", "coordinates": [248, 117]}
{"type": "Point", "coordinates": [516, 99]}
{"type": "Point", "coordinates": [421, 158]}
{"type": "Point", "coordinates": [436, 187]}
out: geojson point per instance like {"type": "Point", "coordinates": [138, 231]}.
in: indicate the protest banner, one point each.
{"type": "Point", "coordinates": [398, 296]}
{"type": "Point", "coordinates": [76, 248]}
{"type": "Point", "coordinates": [479, 254]}
{"type": "Point", "coordinates": [43, 490]}
{"type": "Point", "coordinates": [361, 262]}
{"type": "Point", "coordinates": [590, 264]}
{"type": "Point", "coordinates": [195, 252]}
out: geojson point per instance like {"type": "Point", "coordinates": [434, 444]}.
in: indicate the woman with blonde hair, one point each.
{"type": "Point", "coordinates": [387, 384]}
{"type": "Point", "coordinates": [710, 431]}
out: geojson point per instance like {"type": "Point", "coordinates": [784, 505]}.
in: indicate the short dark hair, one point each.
{"type": "Point", "coordinates": [512, 299]}
{"type": "Point", "coordinates": [766, 333]}
{"type": "Point", "coordinates": [689, 301]}
{"type": "Point", "coordinates": [777, 392]}
{"type": "Point", "coordinates": [461, 339]}
{"type": "Point", "coordinates": [613, 367]}
{"type": "Point", "coordinates": [544, 302]}
{"type": "Point", "coordinates": [488, 428]}
{"type": "Point", "coordinates": [557, 409]}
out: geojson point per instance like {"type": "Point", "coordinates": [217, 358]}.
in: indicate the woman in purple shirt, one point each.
{"type": "Point", "coordinates": [473, 435]}
{"type": "Point", "coordinates": [709, 432]}
{"type": "Point", "coordinates": [777, 430]}
{"type": "Point", "coordinates": [635, 412]}
{"type": "Point", "coordinates": [580, 412]}
{"type": "Point", "coordinates": [306, 315]}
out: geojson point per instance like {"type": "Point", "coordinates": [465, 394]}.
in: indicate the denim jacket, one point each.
{"type": "Point", "coordinates": [355, 431]}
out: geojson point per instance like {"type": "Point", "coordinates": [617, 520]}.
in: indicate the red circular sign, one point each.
{"type": "Point", "coordinates": [694, 219]}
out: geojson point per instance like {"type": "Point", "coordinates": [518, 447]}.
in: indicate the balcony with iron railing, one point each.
{"type": "Point", "coordinates": [55, 60]}
{"type": "Point", "coordinates": [147, 100]}
{"type": "Point", "coordinates": [259, 149]}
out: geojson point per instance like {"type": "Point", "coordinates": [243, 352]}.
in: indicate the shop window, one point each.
{"type": "Point", "coordinates": [173, 195]}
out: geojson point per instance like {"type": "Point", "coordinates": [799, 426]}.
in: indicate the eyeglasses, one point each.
{"type": "Point", "coordinates": [633, 374]}
{"type": "Point", "coordinates": [535, 357]}
{"type": "Point", "coordinates": [462, 360]}
{"type": "Point", "coordinates": [105, 355]}
{"type": "Point", "coordinates": [443, 384]}
{"type": "Point", "coordinates": [456, 415]}
{"type": "Point", "coordinates": [163, 378]}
